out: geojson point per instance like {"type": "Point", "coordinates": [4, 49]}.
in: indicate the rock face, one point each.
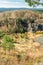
{"type": "Point", "coordinates": [21, 21]}
{"type": "Point", "coordinates": [39, 39]}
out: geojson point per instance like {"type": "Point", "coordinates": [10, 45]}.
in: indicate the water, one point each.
{"type": "Point", "coordinates": [10, 9]}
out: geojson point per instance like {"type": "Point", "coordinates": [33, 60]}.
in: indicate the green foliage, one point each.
{"type": "Point", "coordinates": [33, 2]}
{"type": "Point", "coordinates": [6, 22]}
{"type": "Point", "coordinates": [38, 60]}
{"type": "Point", "coordinates": [7, 42]}
{"type": "Point", "coordinates": [2, 34]}
{"type": "Point", "coordinates": [19, 25]}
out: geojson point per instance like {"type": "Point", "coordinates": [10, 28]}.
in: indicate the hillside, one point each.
{"type": "Point", "coordinates": [27, 20]}
{"type": "Point", "coordinates": [21, 38]}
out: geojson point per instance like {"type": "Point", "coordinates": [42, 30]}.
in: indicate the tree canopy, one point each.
{"type": "Point", "coordinates": [33, 2]}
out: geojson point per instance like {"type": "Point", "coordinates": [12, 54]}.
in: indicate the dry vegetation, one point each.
{"type": "Point", "coordinates": [17, 44]}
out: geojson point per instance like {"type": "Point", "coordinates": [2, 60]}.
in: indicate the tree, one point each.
{"type": "Point", "coordinates": [33, 2]}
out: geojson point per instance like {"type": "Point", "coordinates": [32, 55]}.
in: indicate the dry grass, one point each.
{"type": "Point", "coordinates": [25, 53]}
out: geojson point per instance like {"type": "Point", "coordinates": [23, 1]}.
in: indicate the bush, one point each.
{"type": "Point", "coordinates": [21, 25]}
{"type": "Point", "coordinates": [2, 34]}
{"type": "Point", "coordinates": [7, 42]}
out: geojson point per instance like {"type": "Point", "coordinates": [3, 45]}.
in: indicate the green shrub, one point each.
{"type": "Point", "coordinates": [7, 42]}
{"type": "Point", "coordinates": [38, 60]}
{"type": "Point", "coordinates": [2, 34]}
{"type": "Point", "coordinates": [21, 25]}
{"type": "Point", "coordinates": [6, 22]}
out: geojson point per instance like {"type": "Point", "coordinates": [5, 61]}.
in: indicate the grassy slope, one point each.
{"type": "Point", "coordinates": [26, 51]}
